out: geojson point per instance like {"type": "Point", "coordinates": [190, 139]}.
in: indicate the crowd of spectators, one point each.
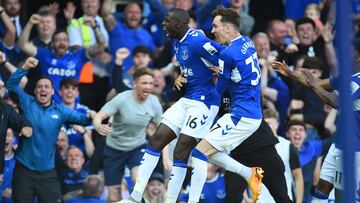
{"type": "Point", "coordinates": [70, 60]}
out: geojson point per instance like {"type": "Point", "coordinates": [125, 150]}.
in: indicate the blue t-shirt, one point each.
{"type": "Point", "coordinates": [196, 54]}
{"type": "Point", "coordinates": [123, 36]}
{"type": "Point", "coordinates": [213, 191]}
{"type": "Point", "coordinates": [239, 71]}
{"type": "Point", "coordinates": [7, 178]}
{"type": "Point", "coordinates": [355, 93]}
{"type": "Point", "coordinates": [75, 138]}
{"type": "Point", "coordinates": [58, 68]}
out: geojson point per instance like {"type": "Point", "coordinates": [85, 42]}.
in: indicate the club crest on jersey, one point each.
{"type": "Point", "coordinates": [184, 55]}
{"type": "Point", "coordinates": [71, 64]}
{"type": "Point", "coordinates": [53, 62]}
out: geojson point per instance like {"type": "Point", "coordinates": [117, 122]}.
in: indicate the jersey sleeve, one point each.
{"type": "Point", "coordinates": [209, 50]}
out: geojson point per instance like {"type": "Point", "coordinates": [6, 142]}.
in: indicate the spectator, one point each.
{"type": "Point", "coordinates": [45, 31]}
{"type": "Point", "coordinates": [246, 21]}
{"type": "Point", "coordinates": [313, 11]}
{"type": "Point", "coordinates": [292, 37]}
{"type": "Point", "coordinates": [5, 185]}
{"type": "Point", "coordinates": [75, 170]}
{"type": "Point", "coordinates": [12, 8]}
{"type": "Point", "coordinates": [311, 45]}
{"type": "Point", "coordinates": [58, 63]}
{"type": "Point", "coordinates": [10, 119]}
{"type": "Point", "coordinates": [289, 155]}
{"type": "Point", "coordinates": [34, 172]}
{"type": "Point", "coordinates": [310, 154]}
{"type": "Point", "coordinates": [62, 143]}
{"type": "Point", "coordinates": [128, 33]}
{"type": "Point", "coordinates": [277, 32]}
{"type": "Point", "coordinates": [8, 39]}
{"type": "Point", "coordinates": [155, 189]}
{"type": "Point", "coordinates": [79, 136]}
{"type": "Point", "coordinates": [91, 191]}
{"type": "Point", "coordinates": [83, 34]}
{"type": "Point", "coordinates": [124, 80]}
{"type": "Point", "coordinates": [273, 87]}
{"type": "Point", "coordinates": [311, 108]}
{"type": "Point", "coordinates": [133, 110]}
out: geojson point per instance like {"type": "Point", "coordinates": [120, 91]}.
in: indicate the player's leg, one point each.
{"type": "Point", "coordinates": [182, 152]}
{"type": "Point", "coordinates": [235, 187]}
{"type": "Point", "coordinates": [199, 119]}
{"type": "Point", "coordinates": [224, 136]}
{"type": "Point", "coordinates": [167, 131]}
{"type": "Point", "coordinates": [327, 176]}
{"type": "Point", "coordinates": [339, 175]}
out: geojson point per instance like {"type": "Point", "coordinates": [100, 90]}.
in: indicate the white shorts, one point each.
{"type": "Point", "coordinates": [339, 175]}
{"type": "Point", "coordinates": [190, 117]}
{"type": "Point", "coordinates": [225, 136]}
{"type": "Point", "coordinates": [329, 167]}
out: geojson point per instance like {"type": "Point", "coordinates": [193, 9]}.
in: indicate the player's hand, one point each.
{"type": "Point", "coordinates": [7, 193]}
{"type": "Point", "coordinates": [2, 57]}
{"type": "Point", "coordinates": [26, 131]}
{"type": "Point", "coordinates": [30, 62]}
{"type": "Point", "coordinates": [281, 67]}
{"type": "Point", "coordinates": [103, 129]}
{"type": "Point", "coordinates": [121, 54]}
{"type": "Point", "coordinates": [35, 19]}
{"type": "Point", "coordinates": [308, 78]}
{"type": "Point", "coordinates": [180, 81]}
{"type": "Point", "coordinates": [69, 11]}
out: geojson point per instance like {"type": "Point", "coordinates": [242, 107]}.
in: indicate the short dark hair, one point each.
{"type": "Point", "coordinates": [58, 31]}
{"type": "Point", "coordinates": [142, 71]}
{"type": "Point", "coordinates": [304, 20]}
{"type": "Point", "coordinates": [295, 122]}
{"type": "Point", "coordinates": [140, 49]}
{"type": "Point", "coordinates": [228, 15]}
{"type": "Point", "coordinates": [46, 78]}
{"type": "Point", "coordinates": [66, 82]}
{"type": "Point", "coordinates": [312, 63]}
{"type": "Point", "coordinates": [180, 15]}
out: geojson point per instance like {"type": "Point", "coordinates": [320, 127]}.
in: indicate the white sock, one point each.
{"type": "Point", "coordinates": [223, 160]}
{"type": "Point", "coordinates": [149, 162]}
{"type": "Point", "coordinates": [177, 177]}
{"type": "Point", "coordinates": [199, 174]}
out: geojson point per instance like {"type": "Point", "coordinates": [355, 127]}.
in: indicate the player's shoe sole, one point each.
{"type": "Point", "coordinates": [255, 181]}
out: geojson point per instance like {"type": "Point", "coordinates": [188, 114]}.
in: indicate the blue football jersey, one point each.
{"type": "Point", "coordinates": [355, 93]}
{"type": "Point", "coordinates": [239, 71]}
{"type": "Point", "coordinates": [196, 54]}
{"type": "Point", "coordinates": [58, 68]}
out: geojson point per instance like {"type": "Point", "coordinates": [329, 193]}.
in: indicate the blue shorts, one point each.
{"type": "Point", "coordinates": [115, 161]}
